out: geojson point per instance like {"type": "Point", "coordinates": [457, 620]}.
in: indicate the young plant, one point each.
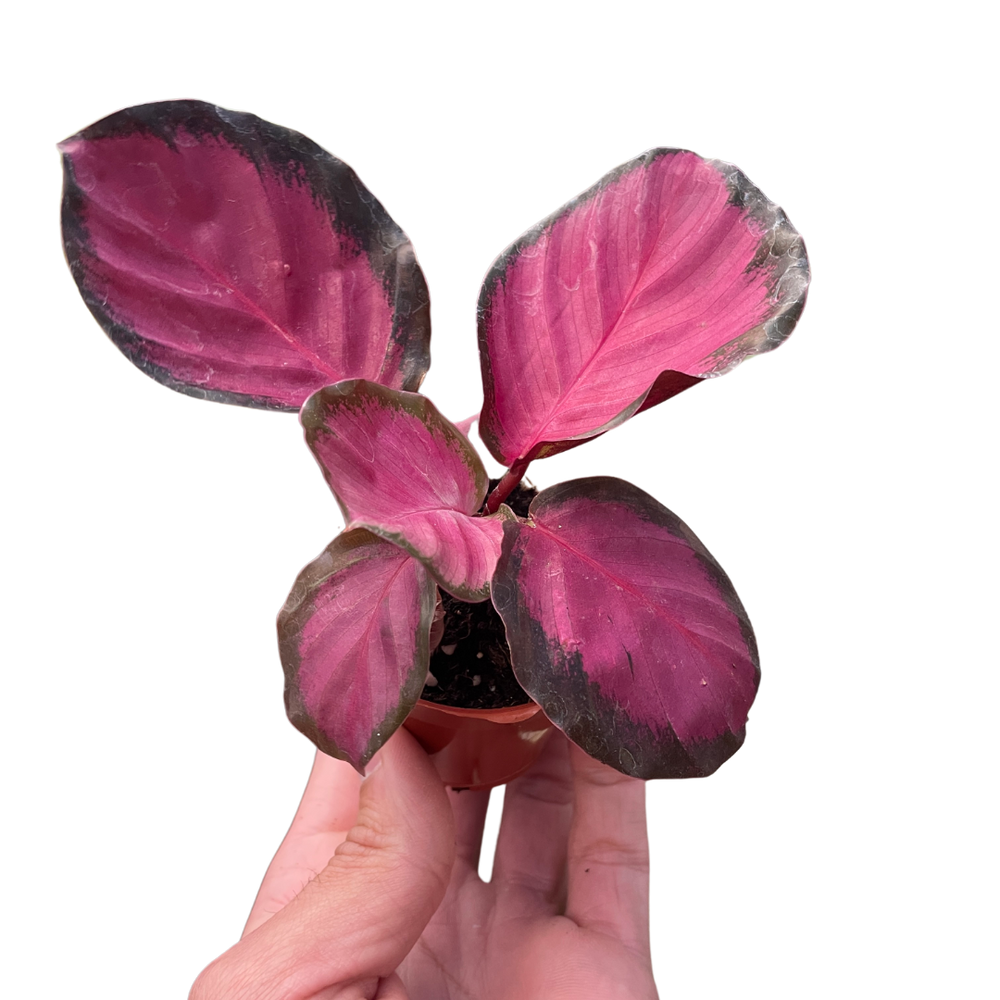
{"type": "Point", "coordinates": [234, 260]}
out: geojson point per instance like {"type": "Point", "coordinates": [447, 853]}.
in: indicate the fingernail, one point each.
{"type": "Point", "coordinates": [372, 766]}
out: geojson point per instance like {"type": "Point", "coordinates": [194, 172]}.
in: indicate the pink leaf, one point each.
{"type": "Point", "coordinates": [353, 636]}
{"type": "Point", "coordinates": [235, 260]}
{"type": "Point", "coordinates": [626, 631]}
{"type": "Point", "coordinates": [669, 266]}
{"type": "Point", "coordinates": [404, 472]}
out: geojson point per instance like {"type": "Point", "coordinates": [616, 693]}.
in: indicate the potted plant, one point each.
{"type": "Point", "coordinates": [237, 261]}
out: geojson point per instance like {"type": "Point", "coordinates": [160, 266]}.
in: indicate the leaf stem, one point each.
{"type": "Point", "coordinates": [506, 485]}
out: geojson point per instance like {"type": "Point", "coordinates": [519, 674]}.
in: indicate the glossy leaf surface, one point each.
{"type": "Point", "coordinates": [670, 266]}
{"type": "Point", "coordinates": [626, 631]}
{"type": "Point", "coordinates": [404, 472]}
{"type": "Point", "coordinates": [235, 260]}
{"type": "Point", "coordinates": [353, 636]}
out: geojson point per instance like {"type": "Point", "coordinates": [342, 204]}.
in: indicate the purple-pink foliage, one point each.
{"type": "Point", "coordinates": [235, 260]}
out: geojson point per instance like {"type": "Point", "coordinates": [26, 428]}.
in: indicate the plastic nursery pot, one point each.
{"type": "Point", "coordinates": [479, 748]}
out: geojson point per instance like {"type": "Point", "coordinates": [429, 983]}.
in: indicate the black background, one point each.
{"type": "Point", "coordinates": [181, 525]}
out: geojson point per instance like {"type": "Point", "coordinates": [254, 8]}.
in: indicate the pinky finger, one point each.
{"type": "Point", "coordinates": [608, 863]}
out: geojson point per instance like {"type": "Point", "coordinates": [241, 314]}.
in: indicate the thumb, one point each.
{"type": "Point", "coordinates": [358, 919]}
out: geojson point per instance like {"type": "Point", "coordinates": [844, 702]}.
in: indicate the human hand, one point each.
{"type": "Point", "coordinates": [399, 911]}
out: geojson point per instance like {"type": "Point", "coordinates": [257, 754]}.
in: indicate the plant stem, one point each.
{"type": "Point", "coordinates": [506, 485]}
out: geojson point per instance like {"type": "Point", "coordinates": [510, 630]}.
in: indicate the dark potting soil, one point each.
{"type": "Point", "coordinates": [471, 664]}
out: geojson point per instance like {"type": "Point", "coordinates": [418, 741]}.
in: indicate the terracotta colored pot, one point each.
{"type": "Point", "coordinates": [479, 747]}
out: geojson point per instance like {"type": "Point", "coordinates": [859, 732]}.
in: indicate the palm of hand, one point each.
{"type": "Point", "coordinates": [385, 902]}
{"type": "Point", "coordinates": [511, 937]}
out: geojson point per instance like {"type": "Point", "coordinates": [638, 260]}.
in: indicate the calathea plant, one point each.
{"type": "Point", "coordinates": [234, 260]}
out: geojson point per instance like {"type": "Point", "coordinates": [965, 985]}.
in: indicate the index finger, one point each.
{"type": "Point", "coordinates": [328, 809]}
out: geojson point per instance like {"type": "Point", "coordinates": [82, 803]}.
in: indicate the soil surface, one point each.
{"type": "Point", "coordinates": [471, 665]}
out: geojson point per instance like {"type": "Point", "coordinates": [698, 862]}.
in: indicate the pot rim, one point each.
{"type": "Point", "coordinates": [513, 713]}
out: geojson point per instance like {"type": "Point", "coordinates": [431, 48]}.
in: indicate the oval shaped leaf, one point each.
{"type": "Point", "coordinates": [626, 631]}
{"type": "Point", "coordinates": [400, 469]}
{"type": "Point", "coordinates": [353, 637]}
{"type": "Point", "coordinates": [235, 260]}
{"type": "Point", "coordinates": [669, 264]}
